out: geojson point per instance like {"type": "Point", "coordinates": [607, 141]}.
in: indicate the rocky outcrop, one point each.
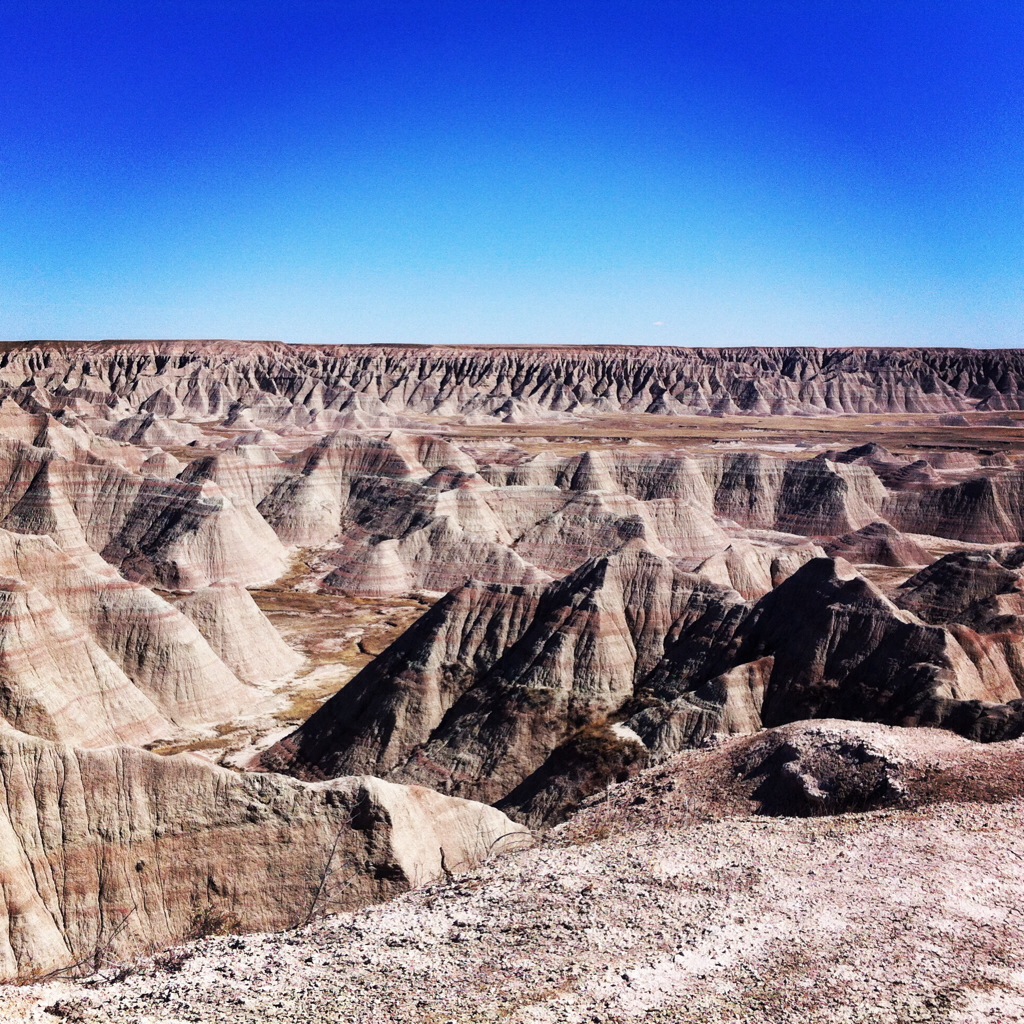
{"type": "Point", "coordinates": [672, 897]}
{"type": "Point", "coordinates": [395, 524]}
{"type": "Point", "coordinates": [401, 511]}
{"type": "Point", "coordinates": [58, 682]}
{"type": "Point", "coordinates": [90, 658]}
{"type": "Point", "coordinates": [496, 691]}
{"type": "Point", "coordinates": [490, 681]}
{"type": "Point", "coordinates": [981, 510]}
{"type": "Point", "coordinates": [179, 535]}
{"type": "Point", "coordinates": [278, 385]}
{"type": "Point", "coordinates": [810, 769]}
{"type": "Point", "coordinates": [878, 544]}
{"type": "Point", "coordinates": [983, 590]}
{"type": "Point", "coordinates": [611, 601]}
{"type": "Point", "coordinates": [112, 852]}
{"type": "Point", "coordinates": [239, 633]}
{"type": "Point", "coordinates": [754, 569]}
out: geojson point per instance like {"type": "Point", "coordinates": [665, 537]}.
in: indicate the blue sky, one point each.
{"type": "Point", "coordinates": [598, 172]}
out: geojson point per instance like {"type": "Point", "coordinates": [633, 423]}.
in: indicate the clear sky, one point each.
{"type": "Point", "coordinates": [714, 172]}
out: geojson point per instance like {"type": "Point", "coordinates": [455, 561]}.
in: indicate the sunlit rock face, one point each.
{"type": "Point", "coordinates": [90, 658]}
{"type": "Point", "coordinates": [276, 386]}
{"type": "Point", "coordinates": [617, 554]}
{"type": "Point", "coordinates": [116, 851]}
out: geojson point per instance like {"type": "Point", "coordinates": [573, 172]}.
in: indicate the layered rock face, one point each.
{"type": "Point", "coordinates": [607, 594]}
{"type": "Point", "coordinates": [112, 852]}
{"type": "Point", "coordinates": [266, 457]}
{"type": "Point", "coordinates": [479, 692]}
{"type": "Point", "coordinates": [406, 512]}
{"type": "Point", "coordinates": [508, 693]}
{"type": "Point", "coordinates": [271, 385]}
{"type": "Point", "coordinates": [175, 534]}
{"type": "Point", "coordinates": [230, 621]}
{"type": "Point", "coordinates": [89, 658]}
{"type": "Point", "coordinates": [879, 544]}
{"type": "Point", "coordinates": [265, 462]}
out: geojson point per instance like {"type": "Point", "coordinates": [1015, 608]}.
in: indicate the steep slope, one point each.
{"type": "Point", "coordinates": [878, 544]}
{"type": "Point", "coordinates": [91, 658]}
{"type": "Point", "coordinates": [113, 852]}
{"type": "Point", "coordinates": [481, 690]}
{"type": "Point", "coordinates": [239, 633]}
{"type": "Point", "coordinates": [57, 682]}
{"type": "Point", "coordinates": [284, 384]}
{"type": "Point", "coordinates": [984, 590]}
{"type": "Point", "coordinates": [180, 535]}
{"type": "Point", "coordinates": [498, 690]}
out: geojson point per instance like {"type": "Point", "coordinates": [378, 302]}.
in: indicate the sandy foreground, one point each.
{"type": "Point", "coordinates": [886, 916]}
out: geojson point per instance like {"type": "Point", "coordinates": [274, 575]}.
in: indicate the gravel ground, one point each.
{"type": "Point", "coordinates": [891, 916]}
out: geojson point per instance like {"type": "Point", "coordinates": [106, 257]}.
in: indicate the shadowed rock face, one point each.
{"type": "Point", "coordinates": [178, 535]}
{"type": "Point", "coordinates": [977, 589]}
{"type": "Point", "coordinates": [498, 691]}
{"type": "Point", "coordinates": [481, 690]}
{"type": "Point", "coordinates": [112, 852]}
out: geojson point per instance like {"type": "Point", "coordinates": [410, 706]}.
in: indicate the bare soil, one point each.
{"type": "Point", "coordinates": [338, 635]}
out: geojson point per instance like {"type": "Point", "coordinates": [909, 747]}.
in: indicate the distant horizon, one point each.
{"type": "Point", "coordinates": [775, 174]}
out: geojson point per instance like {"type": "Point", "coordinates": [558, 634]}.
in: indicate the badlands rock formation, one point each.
{"type": "Point", "coordinates": [629, 553]}
{"type": "Point", "coordinates": [239, 633]}
{"type": "Point", "coordinates": [502, 693]}
{"type": "Point", "coordinates": [90, 658]}
{"type": "Point", "coordinates": [878, 544]}
{"type": "Point", "coordinates": [265, 458]}
{"type": "Point", "coordinates": [277, 386]}
{"type": "Point", "coordinates": [677, 896]}
{"type": "Point", "coordinates": [115, 851]}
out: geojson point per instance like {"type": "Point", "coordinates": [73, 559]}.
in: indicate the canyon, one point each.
{"type": "Point", "coordinates": [288, 630]}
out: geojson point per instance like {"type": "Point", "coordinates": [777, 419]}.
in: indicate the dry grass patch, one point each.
{"type": "Point", "coordinates": [906, 434]}
{"type": "Point", "coordinates": [338, 634]}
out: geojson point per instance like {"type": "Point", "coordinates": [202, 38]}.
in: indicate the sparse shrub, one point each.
{"type": "Point", "coordinates": [209, 920]}
{"type": "Point", "coordinates": [171, 961]}
{"type": "Point", "coordinates": [590, 760]}
{"type": "Point", "coordinates": [71, 1010]}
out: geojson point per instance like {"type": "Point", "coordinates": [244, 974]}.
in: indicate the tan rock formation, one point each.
{"type": "Point", "coordinates": [91, 658]}
{"type": "Point", "coordinates": [239, 633]}
{"type": "Point", "coordinates": [179, 535]}
{"type": "Point", "coordinates": [113, 852]}
{"type": "Point", "coordinates": [275, 382]}
{"type": "Point", "coordinates": [878, 544]}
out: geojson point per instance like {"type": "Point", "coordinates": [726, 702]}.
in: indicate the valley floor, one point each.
{"type": "Point", "coordinates": [889, 916]}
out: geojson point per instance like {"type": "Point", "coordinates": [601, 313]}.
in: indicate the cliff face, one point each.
{"type": "Point", "coordinates": [270, 384]}
{"type": "Point", "coordinates": [111, 852]}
